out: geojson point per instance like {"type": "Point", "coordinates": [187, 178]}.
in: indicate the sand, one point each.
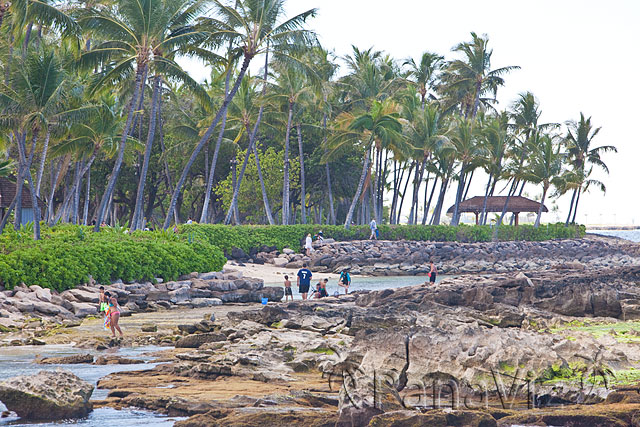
{"type": "Point", "coordinates": [273, 275]}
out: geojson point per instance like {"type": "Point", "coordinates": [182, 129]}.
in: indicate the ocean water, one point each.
{"type": "Point", "coordinates": [20, 361]}
{"type": "Point", "coordinates": [633, 235]}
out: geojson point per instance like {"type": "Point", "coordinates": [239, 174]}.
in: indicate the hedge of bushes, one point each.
{"type": "Point", "coordinates": [66, 257]}
{"type": "Point", "coordinates": [254, 237]}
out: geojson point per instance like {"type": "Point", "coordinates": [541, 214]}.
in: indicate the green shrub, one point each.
{"type": "Point", "coordinates": [68, 255]}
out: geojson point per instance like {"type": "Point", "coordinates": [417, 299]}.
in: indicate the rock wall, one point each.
{"type": "Point", "coordinates": [393, 258]}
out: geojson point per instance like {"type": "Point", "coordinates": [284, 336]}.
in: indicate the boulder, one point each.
{"type": "Point", "coordinates": [196, 340]}
{"type": "Point", "coordinates": [83, 309]}
{"type": "Point", "coordinates": [48, 395]}
{"type": "Point", "coordinates": [66, 360]}
{"type": "Point", "coordinates": [280, 261]}
{"type": "Point", "coordinates": [85, 296]}
{"type": "Point", "coordinates": [179, 295]}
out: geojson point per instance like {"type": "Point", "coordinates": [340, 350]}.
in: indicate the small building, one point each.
{"type": "Point", "coordinates": [8, 192]}
{"type": "Point", "coordinates": [517, 204]}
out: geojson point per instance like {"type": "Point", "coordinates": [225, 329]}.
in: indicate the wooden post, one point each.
{"type": "Point", "coordinates": [477, 222]}
{"type": "Point", "coordinates": [517, 216]}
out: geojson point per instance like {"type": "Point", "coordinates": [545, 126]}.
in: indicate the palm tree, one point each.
{"type": "Point", "coordinates": [467, 81]}
{"type": "Point", "coordinates": [251, 28]}
{"type": "Point", "coordinates": [290, 86]}
{"type": "Point", "coordinates": [380, 125]}
{"type": "Point", "coordinates": [582, 155]}
{"type": "Point", "coordinates": [497, 140]}
{"type": "Point", "coordinates": [87, 140]}
{"type": "Point", "coordinates": [34, 101]}
{"type": "Point", "coordinates": [546, 168]}
{"type": "Point", "coordinates": [147, 35]}
{"type": "Point", "coordinates": [425, 132]}
{"type": "Point", "coordinates": [469, 152]}
{"type": "Point", "coordinates": [423, 75]}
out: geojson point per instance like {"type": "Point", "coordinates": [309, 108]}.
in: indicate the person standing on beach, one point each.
{"type": "Point", "coordinates": [102, 300]}
{"type": "Point", "coordinates": [374, 230]}
{"type": "Point", "coordinates": [304, 281]}
{"type": "Point", "coordinates": [308, 245]}
{"type": "Point", "coordinates": [344, 281]}
{"type": "Point", "coordinates": [433, 272]}
{"type": "Point", "coordinates": [287, 289]}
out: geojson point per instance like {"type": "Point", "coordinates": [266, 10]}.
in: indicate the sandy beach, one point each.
{"type": "Point", "coordinates": [271, 274]}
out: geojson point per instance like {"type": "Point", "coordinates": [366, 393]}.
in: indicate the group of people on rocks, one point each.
{"type": "Point", "coordinates": [303, 281]}
{"type": "Point", "coordinates": [110, 310]}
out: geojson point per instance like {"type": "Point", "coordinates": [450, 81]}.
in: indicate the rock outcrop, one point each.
{"type": "Point", "coordinates": [48, 395]}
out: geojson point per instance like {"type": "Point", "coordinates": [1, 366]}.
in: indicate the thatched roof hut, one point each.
{"type": "Point", "coordinates": [516, 205]}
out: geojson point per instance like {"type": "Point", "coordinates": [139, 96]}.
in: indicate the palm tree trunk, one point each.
{"type": "Point", "coordinates": [85, 214]}
{"type": "Point", "coordinates": [164, 157]}
{"type": "Point", "coordinates": [363, 176]}
{"type": "Point", "coordinates": [573, 198]}
{"type": "Point", "coordinates": [42, 161]}
{"type": "Point", "coordinates": [504, 208]}
{"type": "Point", "coordinates": [20, 141]}
{"type": "Point", "coordinates": [236, 191]}
{"type": "Point", "coordinates": [575, 209]}
{"type": "Point", "coordinates": [123, 142]}
{"type": "Point", "coordinates": [76, 193]}
{"type": "Point", "coordinates": [265, 197]}
{"type": "Point", "coordinates": [303, 194]}
{"type": "Point", "coordinates": [404, 193]}
{"type": "Point", "coordinates": [456, 207]}
{"type": "Point", "coordinates": [332, 212]}
{"type": "Point", "coordinates": [414, 195]}
{"type": "Point", "coordinates": [466, 192]}
{"type": "Point", "coordinates": [544, 195]}
{"type": "Point", "coordinates": [27, 37]}
{"type": "Point", "coordinates": [426, 209]}
{"type": "Point", "coordinates": [214, 161]}
{"type": "Point", "coordinates": [205, 139]}
{"type": "Point", "coordinates": [22, 148]}
{"type": "Point", "coordinates": [54, 181]}
{"type": "Point", "coordinates": [435, 220]}
{"type": "Point", "coordinates": [483, 214]}
{"type": "Point", "coordinates": [137, 220]}
{"type": "Point", "coordinates": [285, 184]}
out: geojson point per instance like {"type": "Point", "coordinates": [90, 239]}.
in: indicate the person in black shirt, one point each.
{"type": "Point", "coordinates": [304, 281]}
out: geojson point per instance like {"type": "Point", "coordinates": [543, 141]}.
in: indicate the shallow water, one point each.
{"type": "Point", "coordinates": [633, 235]}
{"type": "Point", "coordinates": [20, 361]}
{"type": "Point", "coordinates": [366, 283]}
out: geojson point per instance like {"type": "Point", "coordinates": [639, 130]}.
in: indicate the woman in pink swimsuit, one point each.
{"type": "Point", "coordinates": [114, 314]}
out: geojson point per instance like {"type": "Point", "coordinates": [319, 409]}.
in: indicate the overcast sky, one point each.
{"type": "Point", "coordinates": [576, 55]}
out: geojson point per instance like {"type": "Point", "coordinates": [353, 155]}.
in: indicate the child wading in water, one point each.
{"type": "Point", "coordinates": [287, 289]}
{"type": "Point", "coordinates": [113, 316]}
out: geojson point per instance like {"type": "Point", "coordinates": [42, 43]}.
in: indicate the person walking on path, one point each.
{"type": "Point", "coordinates": [308, 246]}
{"type": "Point", "coordinates": [287, 289]}
{"type": "Point", "coordinates": [433, 272]}
{"type": "Point", "coordinates": [344, 281]}
{"type": "Point", "coordinates": [374, 230]}
{"type": "Point", "coordinates": [304, 281]}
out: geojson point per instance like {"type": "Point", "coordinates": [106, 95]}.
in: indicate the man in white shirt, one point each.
{"type": "Point", "coordinates": [374, 226]}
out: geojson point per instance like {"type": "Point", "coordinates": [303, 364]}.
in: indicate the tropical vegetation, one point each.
{"type": "Point", "coordinates": [102, 122]}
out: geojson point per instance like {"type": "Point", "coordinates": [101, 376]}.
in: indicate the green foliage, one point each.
{"type": "Point", "coordinates": [289, 236]}
{"type": "Point", "coordinates": [67, 255]}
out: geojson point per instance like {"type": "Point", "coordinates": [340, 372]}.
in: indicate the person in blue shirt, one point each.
{"type": "Point", "coordinates": [304, 281]}
{"type": "Point", "coordinates": [344, 281]}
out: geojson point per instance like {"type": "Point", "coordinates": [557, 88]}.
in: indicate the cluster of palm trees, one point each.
{"type": "Point", "coordinates": [104, 122]}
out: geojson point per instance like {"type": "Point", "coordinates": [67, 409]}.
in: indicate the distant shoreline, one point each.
{"type": "Point", "coordinates": [591, 228]}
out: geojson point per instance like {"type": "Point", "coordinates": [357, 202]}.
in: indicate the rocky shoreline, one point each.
{"type": "Point", "coordinates": [398, 258]}
{"type": "Point", "coordinates": [554, 342]}
{"type": "Point", "coordinates": [34, 308]}
{"type": "Point", "coordinates": [500, 344]}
